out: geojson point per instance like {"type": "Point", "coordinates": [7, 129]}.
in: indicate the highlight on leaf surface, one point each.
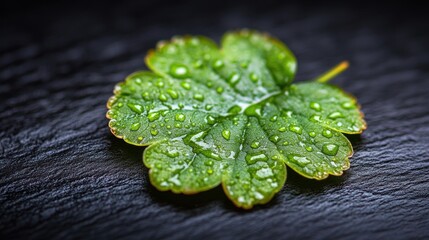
{"type": "Point", "coordinates": [230, 115]}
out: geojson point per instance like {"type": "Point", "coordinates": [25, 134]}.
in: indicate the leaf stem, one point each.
{"type": "Point", "coordinates": [333, 72]}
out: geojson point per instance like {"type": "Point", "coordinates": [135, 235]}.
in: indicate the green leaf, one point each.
{"type": "Point", "coordinates": [231, 116]}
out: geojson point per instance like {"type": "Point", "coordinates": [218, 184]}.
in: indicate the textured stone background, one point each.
{"type": "Point", "coordinates": [64, 176]}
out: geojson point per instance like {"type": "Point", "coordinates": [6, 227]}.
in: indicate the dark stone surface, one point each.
{"type": "Point", "coordinates": [64, 176]}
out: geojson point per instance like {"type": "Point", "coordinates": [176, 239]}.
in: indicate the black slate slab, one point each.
{"type": "Point", "coordinates": [64, 176]}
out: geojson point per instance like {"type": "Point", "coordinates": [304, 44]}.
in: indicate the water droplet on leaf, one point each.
{"type": "Point", "coordinates": [253, 158]}
{"type": "Point", "coordinates": [234, 78]}
{"type": "Point", "coordinates": [146, 96]}
{"type": "Point", "coordinates": [199, 97]}
{"type": "Point", "coordinates": [254, 77]}
{"type": "Point", "coordinates": [153, 116]}
{"type": "Point", "coordinates": [210, 119]}
{"type": "Point", "coordinates": [135, 126]}
{"type": "Point", "coordinates": [315, 118]}
{"type": "Point", "coordinates": [186, 85]}
{"type": "Point", "coordinates": [335, 115]}
{"type": "Point", "coordinates": [254, 145]}
{"type": "Point", "coordinates": [330, 149]}
{"type": "Point", "coordinates": [295, 129]}
{"type": "Point", "coordinates": [209, 107]}
{"type": "Point", "coordinates": [315, 106]}
{"type": "Point", "coordinates": [347, 105]}
{"type": "Point", "coordinates": [180, 117]}
{"type": "Point", "coordinates": [226, 134]}
{"type": "Point", "coordinates": [135, 107]}
{"type": "Point", "coordinates": [274, 138]}
{"type": "Point", "coordinates": [234, 109]}
{"type": "Point", "coordinates": [162, 97]}
{"type": "Point", "coordinates": [173, 94]}
{"type": "Point", "coordinates": [218, 64]}
{"type": "Point", "coordinates": [179, 70]}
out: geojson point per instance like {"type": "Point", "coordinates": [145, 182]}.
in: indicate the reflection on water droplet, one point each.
{"type": "Point", "coordinates": [254, 145]}
{"type": "Point", "coordinates": [185, 85]}
{"type": "Point", "coordinates": [264, 173]}
{"type": "Point", "coordinates": [298, 159]}
{"type": "Point", "coordinates": [282, 129]}
{"type": "Point", "coordinates": [253, 158]}
{"type": "Point", "coordinates": [135, 126]}
{"type": "Point", "coordinates": [330, 149]}
{"type": "Point", "coordinates": [180, 117]}
{"type": "Point", "coordinates": [160, 84]}
{"type": "Point", "coordinates": [273, 118]}
{"type": "Point", "coordinates": [254, 77]}
{"type": "Point", "coordinates": [210, 119]}
{"type": "Point", "coordinates": [219, 90]}
{"type": "Point", "coordinates": [146, 96]}
{"type": "Point", "coordinates": [312, 134]}
{"type": "Point", "coordinates": [215, 156]}
{"type": "Point", "coordinates": [335, 115]}
{"type": "Point", "coordinates": [254, 110]}
{"type": "Point", "coordinates": [138, 80]}
{"type": "Point", "coordinates": [199, 97]}
{"type": "Point", "coordinates": [153, 116]}
{"type": "Point", "coordinates": [209, 107]}
{"type": "Point", "coordinates": [173, 94]}
{"type": "Point", "coordinates": [234, 78]}
{"type": "Point", "coordinates": [226, 134]}
{"type": "Point", "coordinates": [154, 132]}
{"type": "Point", "coordinates": [327, 133]}
{"type": "Point", "coordinates": [347, 105]}
{"type": "Point", "coordinates": [315, 106]}
{"type": "Point", "coordinates": [179, 70]}
{"type": "Point", "coordinates": [295, 129]}
{"type": "Point", "coordinates": [315, 118]}
{"type": "Point", "coordinates": [135, 107]}
{"type": "Point", "coordinates": [162, 97]}
{"type": "Point", "coordinates": [274, 138]}
{"type": "Point", "coordinates": [218, 64]}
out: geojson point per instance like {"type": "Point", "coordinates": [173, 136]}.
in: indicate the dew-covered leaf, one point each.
{"type": "Point", "coordinates": [231, 116]}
